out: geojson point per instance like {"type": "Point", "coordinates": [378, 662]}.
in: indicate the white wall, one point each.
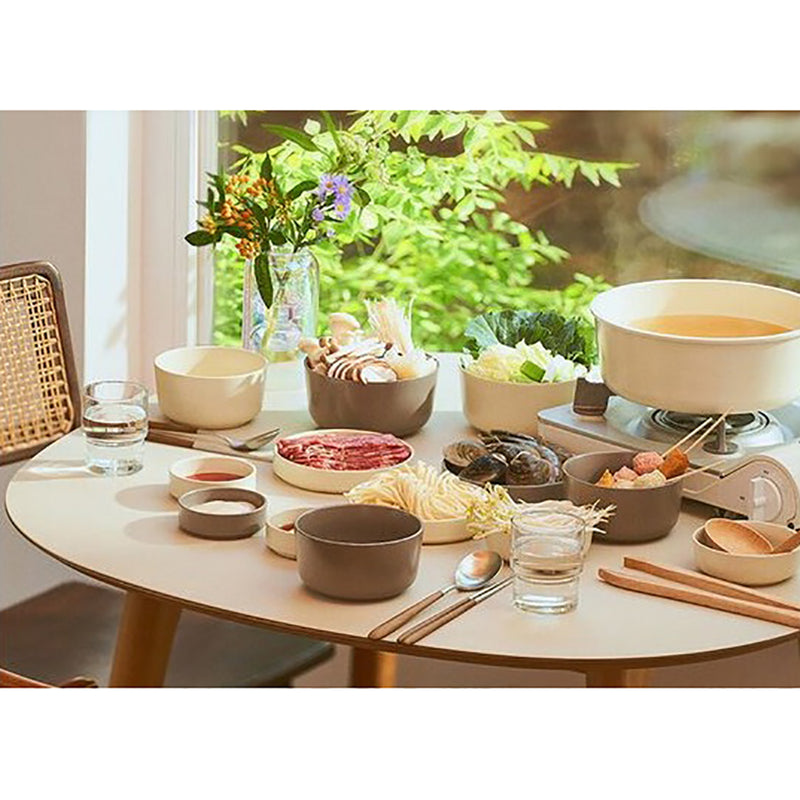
{"type": "Point", "coordinates": [42, 217]}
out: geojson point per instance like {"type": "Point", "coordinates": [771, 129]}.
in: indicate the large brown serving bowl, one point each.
{"type": "Point", "coordinates": [357, 551]}
{"type": "Point", "coordinates": [640, 515]}
{"type": "Point", "coordinates": [399, 407]}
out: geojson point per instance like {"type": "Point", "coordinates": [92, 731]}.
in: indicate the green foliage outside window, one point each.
{"type": "Point", "coordinates": [425, 228]}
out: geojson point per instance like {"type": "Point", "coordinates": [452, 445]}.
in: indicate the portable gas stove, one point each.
{"type": "Point", "coordinates": [759, 476]}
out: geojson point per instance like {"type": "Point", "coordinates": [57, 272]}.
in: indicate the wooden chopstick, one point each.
{"type": "Point", "coordinates": [169, 425]}
{"type": "Point", "coordinates": [700, 581]}
{"type": "Point", "coordinates": [700, 597]}
{"type": "Point", "coordinates": [171, 437]}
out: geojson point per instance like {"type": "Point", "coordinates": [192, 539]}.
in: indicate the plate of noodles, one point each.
{"type": "Point", "coordinates": [439, 499]}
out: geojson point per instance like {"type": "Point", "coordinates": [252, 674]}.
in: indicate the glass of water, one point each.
{"type": "Point", "coordinates": [548, 549]}
{"type": "Point", "coordinates": [115, 426]}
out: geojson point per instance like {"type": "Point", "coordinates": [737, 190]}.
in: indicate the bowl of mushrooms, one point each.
{"type": "Point", "coordinates": [373, 380]}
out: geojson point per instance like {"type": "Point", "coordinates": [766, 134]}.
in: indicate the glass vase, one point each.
{"type": "Point", "coordinates": [276, 331]}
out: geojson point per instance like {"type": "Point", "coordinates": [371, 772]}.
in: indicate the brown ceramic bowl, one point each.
{"type": "Point", "coordinates": [193, 519]}
{"type": "Point", "coordinates": [358, 552]}
{"type": "Point", "coordinates": [640, 515]}
{"type": "Point", "coordinates": [400, 407]}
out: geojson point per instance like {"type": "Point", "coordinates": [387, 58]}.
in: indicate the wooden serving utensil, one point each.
{"type": "Point", "coordinates": [790, 544]}
{"type": "Point", "coordinates": [700, 597]}
{"type": "Point", "coordinates": [700, 581]}
{"type": "Point", "coordinates": [737, 537]}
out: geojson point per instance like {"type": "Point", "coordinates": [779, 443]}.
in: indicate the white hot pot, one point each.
{"type": "Point", "coordinates": [693, 374]}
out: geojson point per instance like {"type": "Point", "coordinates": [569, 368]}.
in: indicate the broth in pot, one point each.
{"type": "Point", "coordinates": [708, 326]}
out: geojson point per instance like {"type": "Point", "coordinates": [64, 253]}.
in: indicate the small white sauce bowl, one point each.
{"type": "Point", "coordinates": [179, 472]}
{"type": "Point", "coordinates": [281, 541]}
{"type": "Point", "coordinates": [444, 531]}
{"type": "Point", "coordinates": [748, 570]}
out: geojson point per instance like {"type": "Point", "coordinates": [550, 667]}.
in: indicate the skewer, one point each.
{"type": "Point", "coordinates": [688, 436]}
{"type": "Point", "coordinates": [698, 471]}
{"type": "Point", "coordinates": [694, 444]}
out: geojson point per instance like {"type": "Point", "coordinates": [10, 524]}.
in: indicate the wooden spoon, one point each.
{"type": "Point", "coordinates": [736, 537]}
{"type": "Point", "coordinates": [790, 544]}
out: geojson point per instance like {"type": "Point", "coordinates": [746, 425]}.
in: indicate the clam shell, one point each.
{"type": "Point", "coordinates": [485, 469]}
{"type": "Point", "coordinates": [527, 469]}
{"type": "Point", "coordinates": [462, 453]}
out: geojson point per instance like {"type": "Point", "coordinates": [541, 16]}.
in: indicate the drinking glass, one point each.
{"type": "Point", "coordinates": [548, 549]}
{"type": "Point", "coordinates": [115, 426]}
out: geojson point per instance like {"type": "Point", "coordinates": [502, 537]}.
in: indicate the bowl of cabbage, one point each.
{"type": "Point", "coordinates": [520, 362]}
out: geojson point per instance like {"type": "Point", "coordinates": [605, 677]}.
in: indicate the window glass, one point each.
{"type": "Point", "coordinates": [700, 194]}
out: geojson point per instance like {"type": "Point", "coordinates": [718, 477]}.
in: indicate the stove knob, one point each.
{"type": "Point", "coordinates": [764, 502]}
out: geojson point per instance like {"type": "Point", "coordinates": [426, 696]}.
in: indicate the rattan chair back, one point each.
{"type": "Point", "coordinates": [39, 391]}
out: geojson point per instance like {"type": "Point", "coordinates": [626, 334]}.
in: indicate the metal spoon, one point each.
{"type": "Point", "coordinates": [474, 571]}
{"type": "Point", "coordinates": [252, 443]}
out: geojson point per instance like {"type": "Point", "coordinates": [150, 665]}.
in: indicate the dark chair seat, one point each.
{"type": "Point", "coordinates": [38, 639]}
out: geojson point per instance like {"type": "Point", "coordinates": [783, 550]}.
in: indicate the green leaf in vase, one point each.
{"type": "Point", "coordinates": [303, 186]}
{"type": "Point", "coordinates": [293, 135]}
{"type": "Point", "coordinates": [266, 167]}
{"type": "Point", "coordinates": [263, 280]}
{"type": "Point", "coordinates": [199, 238]}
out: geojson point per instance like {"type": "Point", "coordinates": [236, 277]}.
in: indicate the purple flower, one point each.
{"type": "Point", "coordinates": [317, 214]}
{"type": "Point", "coordinates": [329, 233]}
{"type": "Point", "coordinates": [341, 207]}
{"type": "Point", "coordinates": [327, 185]}
{"type": "Point", "coordinates": [342, 187]}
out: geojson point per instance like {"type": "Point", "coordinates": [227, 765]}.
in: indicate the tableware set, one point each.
{"type": "Point", "coordinates": [369, 552]}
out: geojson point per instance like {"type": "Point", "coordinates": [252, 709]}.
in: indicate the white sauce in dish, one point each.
{"type": "Point", "coordinates": [225, 507]}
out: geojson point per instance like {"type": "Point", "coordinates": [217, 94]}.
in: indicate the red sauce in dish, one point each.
{"type": "Point", "coordinates": [215, 476]}
{"type": "Point", "coordinates": [289, 526]}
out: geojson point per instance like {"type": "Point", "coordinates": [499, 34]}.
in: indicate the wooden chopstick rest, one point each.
{"type": "Point", "coordinates": [700, 581]}
{"type": "Point", "coordinates": [700, 597]}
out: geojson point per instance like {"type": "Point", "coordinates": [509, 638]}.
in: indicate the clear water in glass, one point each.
{"type": "Point", "coordinates": [114, 426]}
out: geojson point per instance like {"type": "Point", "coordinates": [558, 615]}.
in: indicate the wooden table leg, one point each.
{"type": "Point", "coordinates": [144, 641]}
{"type": "Point", "coordinates": [372, 669]}
{"type": "Point", "coordinates": [613, 677]}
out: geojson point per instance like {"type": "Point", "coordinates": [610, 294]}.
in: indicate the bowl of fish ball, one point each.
{"type": "Point", "coordinates": [527, 467]}
{"type": "Point", "coordinates": [645, 501]}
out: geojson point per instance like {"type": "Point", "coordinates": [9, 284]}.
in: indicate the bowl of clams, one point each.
{"type": "Point", "coordinates": [526, 466]}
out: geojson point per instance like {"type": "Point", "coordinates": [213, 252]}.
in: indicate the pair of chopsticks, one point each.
{"type": "Point", "coordinates": [701, 590]}
{"type": "Point", "coordinates": [436, 621]}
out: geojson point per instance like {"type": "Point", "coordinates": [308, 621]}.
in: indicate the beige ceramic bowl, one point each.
{"type": "Point", "coordinates": [279, 540]}
{"type": "Point", "coordinates": [755, 570]}
{"type": "Point", "coordinates": [179, 472]}
{"type": "Point", "coordinates": [328, 481]}
{"type": "Point", "coordinates": [210, 387]}
{"type": "Point", "coordinates": [490, 405]}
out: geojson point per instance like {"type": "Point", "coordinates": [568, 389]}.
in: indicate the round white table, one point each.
{"type": "Point", "coordinates": [123, 531]}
